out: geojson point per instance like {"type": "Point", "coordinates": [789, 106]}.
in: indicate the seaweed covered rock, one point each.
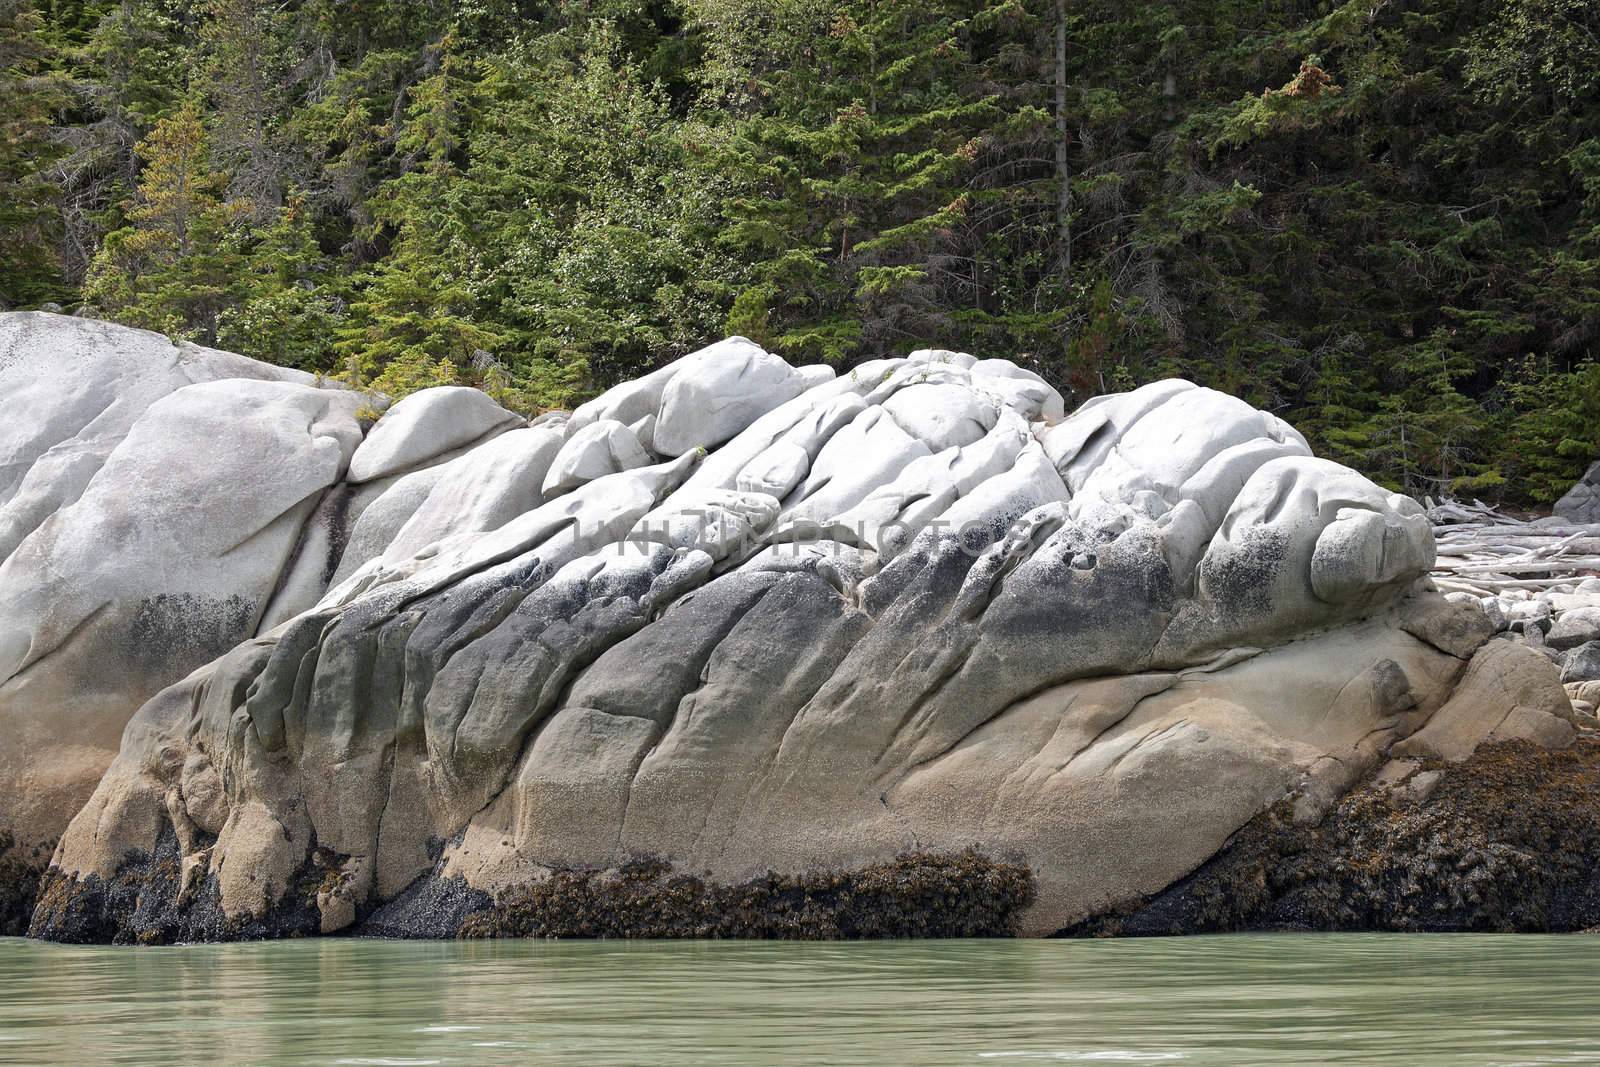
{"type": "Point", "coordinates": [20, 871]}
{"type": "Point", "coordinates": [752, 622]}
{"type": "Point", "coordinates": [1508, 840]}
{"type": "Point", "coordinates": [914, 895]}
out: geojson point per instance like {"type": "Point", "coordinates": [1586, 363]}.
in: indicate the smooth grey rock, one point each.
{"type": "Point", "coordinates": [719, 391]}
{"type": "Point", "coordinates": [945, 356]}
{"type": "Point", "coordinates": [942, 416]}
{"type": "Point", "coordinates": [1019, 388]}
{"type": "Point", "coordinates": [1582, 502]}
{"type": "Point", "coordinates": [481, 491]}
{"type": "Point", "coordinates": [395, 501]}
{"type": "Point", "coordinates": [1422, 786]}
{"type": "Point", "coordinates": [633, 403]}
{"type": "Point", "coordinates": [1178, 444]}
{"type": "Point", "coordinates": [603, 447]}
{"type": "Point", "coordinates": [427, 424]}
{"type": "Point", "coordinates": [1459, 627]}
{"type": "Point", "coordinates": [70, 390]}
{"type": "Point", "coordinates": [857, 458]}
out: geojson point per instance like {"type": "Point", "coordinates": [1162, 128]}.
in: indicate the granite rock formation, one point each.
{"type": "Point", "coordinates": [736, 620]}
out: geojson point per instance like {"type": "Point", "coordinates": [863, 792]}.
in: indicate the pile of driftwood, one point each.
{"type": "Point", "coordinates": [1489, 553]}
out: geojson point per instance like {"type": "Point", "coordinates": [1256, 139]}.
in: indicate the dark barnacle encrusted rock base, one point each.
{"type": "Point", "coordinates": [1508, 841]}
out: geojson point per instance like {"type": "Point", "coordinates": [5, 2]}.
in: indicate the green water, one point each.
{"type": "Point", "coordinates": [1463, 1001]}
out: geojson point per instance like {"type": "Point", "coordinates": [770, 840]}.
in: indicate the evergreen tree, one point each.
{"type": "Point", "coordinates": [176, 265]}
{"type": "Point", "coordinates": [246, 50]}
{"type": "Point", "coordinates": [876, 137]}
{"type": "Point", "coordinates": [411, 324]}
{"type": "Point", "coordinates": [124, 63]}
{"type": "Point", "coordinates": [288, 310]}
{"type": "Point", "coordinates": [30, 267]}
{"type": "Point", "coordinates": [1380, 220]}
{"type": "Point", "coordinates": [595, 214]}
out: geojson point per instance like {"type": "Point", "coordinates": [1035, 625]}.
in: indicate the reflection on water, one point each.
{"type": "Point", "coordinates": [1267, 1000]}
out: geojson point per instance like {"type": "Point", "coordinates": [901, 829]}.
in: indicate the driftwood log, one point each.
{"type": "Point", "coordinates": [1490, 553]}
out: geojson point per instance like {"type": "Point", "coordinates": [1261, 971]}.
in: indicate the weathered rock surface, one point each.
{"type": "Point", "coordinates": [1507, 841]}
{"type": "Point", "coordinates": [1582, 502]}
{"type": "Point", "coordinates": [603, 447]}
{"type": "Point", "coordinates": [908, 611]}
{"type": "Point", "coordinates": [160, 503]}
{"type": "Point", "coordinates": [127, 554]}
{"type": "Point", "coordinates": [425, 425]}
{"type": "Point", "coordinates": [1581, 664]}
{"type": "Point", "coordinates": [1573, 628]}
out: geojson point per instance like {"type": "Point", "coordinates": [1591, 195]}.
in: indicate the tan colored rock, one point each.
{"type": "Point", "coordinates": [1459, 627]}
{"type": "Point", "coordinates": [160, 565]}
{"type": "Point", "coordinates": [1509, 691]}
{"type": "Point", "coordinates": [1523, 723]}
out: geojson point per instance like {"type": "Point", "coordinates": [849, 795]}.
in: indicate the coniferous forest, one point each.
{"type": "Point", "coordinates": [1379, 219]}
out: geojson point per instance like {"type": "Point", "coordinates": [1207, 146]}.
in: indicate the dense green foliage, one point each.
{"type": "Point", "coordinates": [1380, 218]}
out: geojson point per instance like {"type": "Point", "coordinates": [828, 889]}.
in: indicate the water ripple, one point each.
{"type": "Point", "coordinates": [1251, 1001]}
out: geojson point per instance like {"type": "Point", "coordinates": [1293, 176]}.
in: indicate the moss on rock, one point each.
{"type": "Point", "coordinates": [915, 895]}
{"type": "Point", "coordinates": [1508, 840]}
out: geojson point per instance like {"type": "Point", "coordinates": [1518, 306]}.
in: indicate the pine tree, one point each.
{"type": "Point", "coordinates": [30, 263]}
{"type": "Point", "coordinates": [288, 311]}
{"type": "Point", "coordinates": [176, 265]}
{"type": "Point", "coordinates": [125, 66]}
{"type": "Point", "coordinates": [412, 323]}
{"type": "Point", "coordinates": [883, 154]}
{"type": "Point", "coordinates": [596, 214]}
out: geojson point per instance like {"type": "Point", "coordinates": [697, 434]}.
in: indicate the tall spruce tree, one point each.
{"type": "Point", "coordinates": [30, 214]}
{"type": "Point", "coordinates": [176, 265]}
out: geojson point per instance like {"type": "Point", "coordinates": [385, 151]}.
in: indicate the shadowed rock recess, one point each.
{"type": "Point", "coordinates": [736, 649]}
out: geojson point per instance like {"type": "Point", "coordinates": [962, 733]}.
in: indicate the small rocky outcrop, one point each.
{"type": "Point", "coordinates": [1582, 502]}
{"type": "Point", "coordinates": [739, 635]}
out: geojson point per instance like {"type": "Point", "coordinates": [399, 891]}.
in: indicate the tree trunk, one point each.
{"type": "Point", "coordinates": [1063, 172]}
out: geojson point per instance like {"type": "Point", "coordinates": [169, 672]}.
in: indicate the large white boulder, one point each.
{"type": "Point", "coordinates": [159, 565]}
{"type": "Point", "coordinates": [481, 490]}
{"type": "Point", "coordinates": [71, 390]}
{"type": "Point", "coordinates": [427, 424]}
{"type": "Point", "coordinates": [909, 608]}
{"type": "Point", "coordinates": [719, 391]}
{"type": "Point", "coordinates": [943, 416]}
{"type": "Point", "coordinates": [603, 447]}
